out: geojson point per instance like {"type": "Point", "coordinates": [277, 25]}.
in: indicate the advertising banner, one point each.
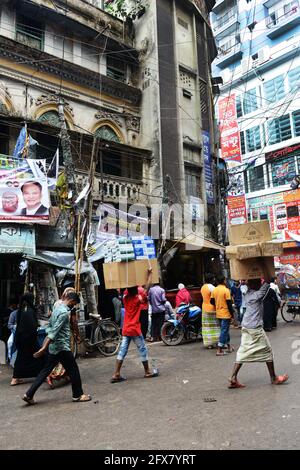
{"type": "Point", "coordinates": [231, 153]}
{"type": "Point", "coordinates": [24, 194]}
{"type": "Point", "coordinates": [208, 168]}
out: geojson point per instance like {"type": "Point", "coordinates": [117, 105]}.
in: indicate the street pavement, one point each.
{"type": "Point", "coordinates": [188, 407]}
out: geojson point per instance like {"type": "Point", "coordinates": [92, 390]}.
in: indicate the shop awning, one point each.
{"type": "Point", "coordinates": [201, 242]}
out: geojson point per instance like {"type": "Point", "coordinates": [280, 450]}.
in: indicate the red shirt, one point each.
{"type": "Point", "coordinates": [133, 307]}
{"type": "Point", "coordinates": [183, 296]}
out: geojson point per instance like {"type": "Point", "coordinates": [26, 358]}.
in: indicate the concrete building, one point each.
{"type": "Point", "coordinates": [259, 61]}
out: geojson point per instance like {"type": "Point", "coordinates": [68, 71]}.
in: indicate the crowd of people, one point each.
{"type": "Point", "coordinates": [251, 306]}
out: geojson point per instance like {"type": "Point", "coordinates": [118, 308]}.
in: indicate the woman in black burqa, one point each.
{"type": "Point", "coordinates": [26, 365]}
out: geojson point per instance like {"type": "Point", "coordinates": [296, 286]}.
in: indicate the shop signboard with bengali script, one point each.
{"type": "Point", "coordinates": [231, 153]}
{"type": "Point", "coordinates": [24, 194]}
{"type": "Point", "coordinates": [208, 168]}
{"type": "Point", "coordinates": [17, 240]}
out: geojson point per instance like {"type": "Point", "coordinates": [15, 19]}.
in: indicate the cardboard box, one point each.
{"type": "Point", "coordinates": [243, 251]}
{"type": "Point", "coordinates": [272, 248]}
{"type": "Point", "coordinates": [254, 268]}
{"type": "Point", "coordinates": [253, 232]}
{"type": "Point", "coordinates": [133, 273]}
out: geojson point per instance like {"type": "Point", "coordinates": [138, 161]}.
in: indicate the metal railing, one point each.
{"type": "Point", "coordinates": [280, 15]}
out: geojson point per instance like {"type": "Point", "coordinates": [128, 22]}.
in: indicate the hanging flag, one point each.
{"type": "Point", "coordinates": [24, 144]}
{"type": "Point", "coordinates": [52, 173]}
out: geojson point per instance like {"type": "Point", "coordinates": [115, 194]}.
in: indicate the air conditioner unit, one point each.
{"type": "Point", "coordinates": [264, 54]}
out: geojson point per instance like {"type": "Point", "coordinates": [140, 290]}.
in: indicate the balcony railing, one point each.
{"type": "Point", "coordinates": [282, 15]}
{"type": "Point", "coordinates": [114, 188]}
{"type": "Point", "coordinates": [229, 16]}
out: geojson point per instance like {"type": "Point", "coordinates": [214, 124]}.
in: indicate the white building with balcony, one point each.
{"type": "Point", "coordinates": [259, 61]}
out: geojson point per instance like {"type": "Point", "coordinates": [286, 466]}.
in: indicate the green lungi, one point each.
{"type": "Point", "coordinates": [255, 346]}
{"type": "Point", "coordinates": [210, 328]}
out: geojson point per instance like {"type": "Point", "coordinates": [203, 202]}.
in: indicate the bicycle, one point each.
{"type": "Point", "coordinates": [105, 335]}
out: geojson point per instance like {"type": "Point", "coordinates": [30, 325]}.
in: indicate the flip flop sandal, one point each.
{"type": "Point", "coordinates": [82, 399]}
{"type": "Point", "coordinates": [280, 379]}
{"type": "Point", "coordinates": [115, 380]}
{"type": "Point", "coordinates": [155, 374]}
{"type": "Point", "coordinates": [236, 384]}
{"type": "Point", "coordinates": [224, 353]}
{"type": "Point", "coordinates": [19, 382]}
{"type": "Point", "coordinates": [29, 401]}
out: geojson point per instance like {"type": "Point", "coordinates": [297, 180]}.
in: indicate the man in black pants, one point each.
{"type": "Point", "coordinates": [58, 339]}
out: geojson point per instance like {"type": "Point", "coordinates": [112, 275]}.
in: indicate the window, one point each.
{"type": "Point", "coordinates": [89, 57]}
{"type": "Point", "coordinates": [250, 101]}
{"type": "Point", "coordinates": [283, 171]}
{"type": "Point", "coordinates": [292, 211]}
{"type": "Point", "coordinates": [294, 79]}
{"type": "Point", "coordinates": [242, 140]}
{"type": "Point", "coordinates": [254, 179]}
{"type": "Point", "coordinates": [238, 103]}
{"type": "Point", "coordinates": [116, 69]}
{"type": "Point", "coordinates": [274, 89]}
{"type": "Point", "coordinates": [253, 139]}
{"type": "Point", "coordinates": [30, 32]}
{"type": "Point", "coordinates": [296, 123]}
{"type": "Point", "coordinates": [279, 129]}
{"type": "Point", "coordinates": [107, 133]}
{"type": "Point", "coordinates": [192, 182]}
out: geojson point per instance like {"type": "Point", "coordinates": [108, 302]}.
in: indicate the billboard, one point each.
{"type": "Point", "coordinates": [231, 153]}
{"type": "Point", "coordinates": [208, 168]}
{"type": "Point", "coordinates": [24, 194]}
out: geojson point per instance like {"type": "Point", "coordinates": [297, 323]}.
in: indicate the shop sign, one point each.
{"type": "Point", "coordinates": [282, 152]}
{"type": "Point", "coordinates": [208, 168]}
{"type": "Point", "coordinates": [17, 240]}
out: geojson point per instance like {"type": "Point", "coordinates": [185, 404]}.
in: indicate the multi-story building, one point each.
{"type": "Point", "coordinates": [143, 87]}
{"type": "Point", "coordinates": [258, 59]}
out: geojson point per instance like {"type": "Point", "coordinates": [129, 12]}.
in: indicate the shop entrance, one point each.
{"type": "Point", "coordinates": [11, 282]}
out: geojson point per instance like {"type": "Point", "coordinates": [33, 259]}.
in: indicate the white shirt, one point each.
{"type": "Point", "coordinates": [32, 211]}
{"type": "Point", "coordinates": [244, 290]}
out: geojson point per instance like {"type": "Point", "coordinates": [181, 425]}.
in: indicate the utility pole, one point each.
{"type": "Point", "coordinates": [66, 151]}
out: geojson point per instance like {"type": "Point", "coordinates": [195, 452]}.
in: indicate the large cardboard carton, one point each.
{"type": "Point", "coordinates": [272, 248]}
{"type": "Point", "coordinates": [253, 268]}
{"type": "Point", "coordinates": [243, 251]}
{"type": "Point", "coordinates": [130, 274]}
{"type": "Point", "coordinates": [253, 232]}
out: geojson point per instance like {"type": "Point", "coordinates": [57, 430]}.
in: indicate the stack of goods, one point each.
{"type": "Point", "coordinates": [251, 251]}
{"type": "Point", "coordinates": [118, 249]}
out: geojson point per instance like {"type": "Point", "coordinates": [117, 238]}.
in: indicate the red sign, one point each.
{"type": "Point", "coordinates": [231, 153]}
{"type": "Point", "coordinates": [291, 257]}
{"type": "Point", "coordinates": [282, 152]}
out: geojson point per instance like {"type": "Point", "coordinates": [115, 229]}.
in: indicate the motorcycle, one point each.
{"type": "Point", "coordinates": [187, 325]}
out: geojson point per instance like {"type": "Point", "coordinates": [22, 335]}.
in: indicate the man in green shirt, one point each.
{"type": "Point", "coordinates": [58, 340]}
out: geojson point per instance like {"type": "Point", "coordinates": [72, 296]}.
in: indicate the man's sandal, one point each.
{"type": "Point", "coordinates": [280, 379]}
{"type": "Point", "coordinates": [82, 398]}
{"type": "Point", "coordinates": [29, 401]}
{"type": "Point", "coordinates": [235, 384]}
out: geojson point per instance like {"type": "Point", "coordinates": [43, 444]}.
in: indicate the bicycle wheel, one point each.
{"type": "Point", "coordinates": [108, 335]}
{"type": "Point", "coordinates": [288, 313]}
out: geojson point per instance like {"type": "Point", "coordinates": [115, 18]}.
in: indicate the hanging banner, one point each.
{"type": "Point", "coordinates": [24, 195]}
{"type": "Point", "coordinates": [231, 153]}
{"type": "Point", "coordinates": [17, 240]}
{"type": "Point", "coordinates": [208, 168]}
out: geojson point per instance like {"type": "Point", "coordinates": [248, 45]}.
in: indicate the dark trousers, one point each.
{"type": "Point", "coordinates": [156, 324]}
{"type": "Point", "coordinates": [144, 322]}
{"type": "Point", "coordinates": [66, 358]}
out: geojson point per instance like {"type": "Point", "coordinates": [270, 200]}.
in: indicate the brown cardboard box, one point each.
{"type": "Point", "coordinates": [253, 268]}
{"type": "Point", "coordinates": [252, 232]}
{"type": "Point", "coordinates": [252, 250]}
{"type": "Point", "coordinates": [133, 273]}
{"type": "Point", "coordinates": [271, 248]}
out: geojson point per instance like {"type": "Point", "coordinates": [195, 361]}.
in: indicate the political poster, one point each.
{"type": "Point", "coordinates": [24, 194]}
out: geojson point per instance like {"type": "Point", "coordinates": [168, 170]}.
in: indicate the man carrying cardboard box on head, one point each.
{"type": "Point", "coordinates": [131, 330]}
{"type": "Point", "coordinates": [255, 345]}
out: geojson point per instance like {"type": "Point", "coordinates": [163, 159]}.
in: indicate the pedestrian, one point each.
{"type": "Point", "coordinates": [133, 303]}
{"type": "Point", "coordinates": [25, 341]}
{"type": "Point", "coordinates": [237, 298]}
{"type": "Point", "coordinates": [270, 306]}
{"type": "Point", "coordinates": [255, 345]}
{"type": "Point", "coordinates": [117, 303]}
{"type": "Point", "coordinates": [157, 300]}
{"type": "Point", "coordinates": [144, 311]}
{"type": "Point", "coordinates": [58, 340]}
{"type": "Point", "coordinates": [210, 324]}
{"type": "Point", "coordinates": [183, 296]}
{"type": "Point", "coordinates": [221, 299]}
{"type": "Point", "coordinates": [274, 286]}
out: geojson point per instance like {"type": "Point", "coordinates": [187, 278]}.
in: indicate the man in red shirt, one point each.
{"type": "Point", "coordinates": [183, 296]}
{"type": "Point", "coordinates": [133, 303]}
{"type": "Point", "coordinates": [144, 311]}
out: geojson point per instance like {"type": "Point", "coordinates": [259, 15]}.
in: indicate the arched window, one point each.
{"type": "Point", "coordinates": [107, 133]}
{"type": "Point", "coordinates": [51, 118]}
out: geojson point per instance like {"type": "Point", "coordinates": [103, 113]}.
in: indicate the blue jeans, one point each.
{"type": "Point", "coordinates": [140, 344]}
{"type": "Point", "coordinates": [224, 335]}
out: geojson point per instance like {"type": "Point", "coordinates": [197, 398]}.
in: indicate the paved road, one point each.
{"type": "Point", "coordinates": [168, 412]}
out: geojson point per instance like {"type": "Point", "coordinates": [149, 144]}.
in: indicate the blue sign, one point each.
{"type": "Point", "coordinates": [144, 248]}
{"type": "Point", "coordinates": [208, 168]}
